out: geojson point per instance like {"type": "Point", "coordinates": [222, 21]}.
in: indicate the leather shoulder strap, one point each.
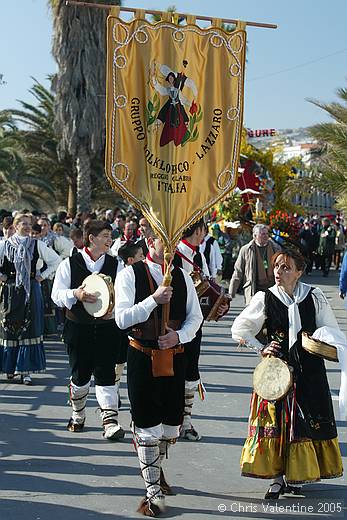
{"type": "Point", "coordinates": [155, 312]}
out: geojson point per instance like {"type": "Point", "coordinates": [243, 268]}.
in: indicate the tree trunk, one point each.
{"type": "Point", "coordinates": [72, 196]}
{"type": "Point", "coordinates": [83, 168]}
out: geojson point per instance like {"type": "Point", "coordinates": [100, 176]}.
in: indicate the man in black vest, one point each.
{"type": "Point", "coordinates": [211, 251]}
{"type": "Point", "coordinates": [156, 395]}
{"type": "Point", "coordinates": [189, 257]}
{"type": "Point", "coordinates": [92, 343]}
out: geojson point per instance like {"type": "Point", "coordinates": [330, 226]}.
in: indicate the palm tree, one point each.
{"type": "Point", "coordinates": [9, 153]}
{"type": "Point", "coordinates": [18, 185]}
{"type": "Point", "coordinates": [40, 143]}
{"type": "Point", "coordinates": [331, 174]}
{"type": "Point", "coordinates": [20, 188]}
{"type": "Point", "coordinates": [79, 47]}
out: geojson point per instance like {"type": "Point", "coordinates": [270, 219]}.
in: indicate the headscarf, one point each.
{"type": "Point", "coordinates": [19, 250]}
{"type": "Point", "coordinates": [49, 239]}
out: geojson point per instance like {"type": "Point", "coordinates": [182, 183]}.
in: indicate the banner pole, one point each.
{"type": "Point", "coordinates": [168, 257]}
{"type": "Point", "coordinates": [151, 11]}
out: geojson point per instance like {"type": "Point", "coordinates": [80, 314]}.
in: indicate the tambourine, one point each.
{"type": "Point", "coordinates": [319, 348]}
{"type": "Point", "coordinates": [102, 287]}
{"type": "Point", "coordinates": [272, 378]}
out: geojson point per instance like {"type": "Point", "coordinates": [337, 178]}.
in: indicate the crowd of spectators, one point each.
{"type": "Point", "coordinates": [321, 239]}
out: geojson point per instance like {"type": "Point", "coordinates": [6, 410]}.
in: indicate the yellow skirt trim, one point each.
{"type": "Point", "coordinates": [309, 461]}
{"type": "Point", "coordinates": [267, 454]}
{"type": "Point", "coordinates": [303, 461]}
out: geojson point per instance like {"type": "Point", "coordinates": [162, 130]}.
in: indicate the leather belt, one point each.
{"type": "Point", "coordinates": [148, 350]}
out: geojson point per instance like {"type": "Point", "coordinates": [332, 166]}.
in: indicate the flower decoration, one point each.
{"type": "Point", "coordinates": [284, 224]}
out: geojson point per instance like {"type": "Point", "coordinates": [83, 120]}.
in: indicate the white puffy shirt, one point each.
{"type": "Point", "coordinates": [127, 313]}
{"type": "Point", "coordinates": [62, 292]}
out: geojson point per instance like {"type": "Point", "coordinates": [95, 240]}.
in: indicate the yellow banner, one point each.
{"type": "Point", "coordinates": [174, 118]}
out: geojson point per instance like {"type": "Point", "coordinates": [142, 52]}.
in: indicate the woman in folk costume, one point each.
{"type": "Point", "coordinates": [21, 308]}
{"type": "Point", "coordinates": [53, 316]}
{"type": "Point", "coordinates": [293, 440]}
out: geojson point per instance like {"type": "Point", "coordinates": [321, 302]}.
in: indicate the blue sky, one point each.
{"type": "Point", "coordinates": [309, 31]}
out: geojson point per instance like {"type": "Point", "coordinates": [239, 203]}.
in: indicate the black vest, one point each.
{"type": "Point", "coordinates": [316, 417]}
{"type": "Point", "coordinates": [277, 323]}
{"type": "Point", "coordinates": [197, 260]}
{"type": "Point", "coordinates": [178, 300]}
{"type": "Point", "coordinates": [177, 261]}
{"type": "Point", "coordinates": [207, 251]}
{"type": "Point", "coordinates": [79, 272]}
{"type": "Point", "coordinates": [9, 269]}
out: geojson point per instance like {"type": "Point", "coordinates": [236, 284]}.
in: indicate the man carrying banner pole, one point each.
{"type": "Point", "coordinates": [156, 363]}
{"type": "Point", "coordinates": [178, 157]}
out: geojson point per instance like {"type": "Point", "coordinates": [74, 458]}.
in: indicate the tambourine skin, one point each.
{"type": "Point", "coordinates": [272, 378]}
{"type": "Point", "coordinates": [101, 286]}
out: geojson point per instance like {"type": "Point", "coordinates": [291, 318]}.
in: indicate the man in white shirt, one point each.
{"type": "Point", "coordinates": [188, 257]}
{"type": "Point", "coordinates": [211, 251]}
{"type": "Point", "coordinates": [92, 343]}
{"type": "Point", "coordinates": [157, 400]}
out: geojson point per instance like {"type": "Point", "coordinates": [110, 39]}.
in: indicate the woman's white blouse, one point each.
{"type": "Point", "coordinates": [251, 320]}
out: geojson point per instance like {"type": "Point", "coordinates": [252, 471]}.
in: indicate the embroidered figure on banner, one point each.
{"type": "Point", "coordinates": [179, 115]}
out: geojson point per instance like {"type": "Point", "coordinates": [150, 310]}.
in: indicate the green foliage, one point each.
{"type": "Point", "coordinates": [282, 173]}
{"type": "Point", "coordinates": [39, 142]}
{"type": "Point", "coordinates": [29, 161]}
{"type": "Point", "coordinates": [331, 166]}
{"type": "Point", "coordinates": [175, 18]}
{"type": "Point", "coordinates": [230, 208]}
{"type": "Point", "coordinates": [19, 184]}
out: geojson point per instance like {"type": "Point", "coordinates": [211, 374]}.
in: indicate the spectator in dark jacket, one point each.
{"type": "Point", "coordinates": [326, 246]}
{"type": "Point", "coordinates": [307, 245]}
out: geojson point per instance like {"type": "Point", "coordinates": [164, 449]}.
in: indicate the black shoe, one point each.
{"type": "Point", "coordinates": [74, 426]}
{"type": "Point", "coordinates": [274, 495]}
{"type": "Point", "coordinates": [292, 490]}
{"type": "Point", "coordinates": [189, 435]}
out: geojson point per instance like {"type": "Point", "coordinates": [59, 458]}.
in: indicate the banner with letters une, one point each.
{"type": "Point", "coordinates": [174, 117]}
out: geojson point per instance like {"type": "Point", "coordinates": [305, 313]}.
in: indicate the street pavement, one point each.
{"type": "Point", "coordinates": [48, 473]}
